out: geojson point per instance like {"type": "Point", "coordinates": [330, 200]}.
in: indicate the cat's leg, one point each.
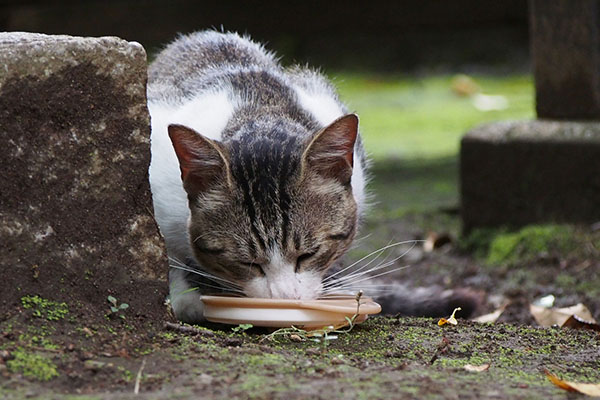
{"type": "Point", "coordinates": [185, 300]}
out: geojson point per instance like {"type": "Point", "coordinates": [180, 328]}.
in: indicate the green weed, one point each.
{"type": "Point", "coordinates": [43, 308]}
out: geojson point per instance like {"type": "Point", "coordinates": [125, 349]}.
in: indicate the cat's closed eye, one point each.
{"type": "Point", "coordinates": [256, 267]}
{"type": "Point", "coordinates": [304, 257]}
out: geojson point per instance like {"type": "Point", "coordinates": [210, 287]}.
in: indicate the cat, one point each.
{"type": "Point", "coordinates": [258, 172]}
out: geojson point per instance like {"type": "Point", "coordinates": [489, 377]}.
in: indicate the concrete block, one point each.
{"type": "Point", "coordinates": [517, 173]}
{"type": "Point", "coordinates": [76, 220]}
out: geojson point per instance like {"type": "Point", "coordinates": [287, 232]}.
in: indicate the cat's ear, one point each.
{"type": "Point", "coordinates": [331, 151]}
{"type": "Point", "coordinates": [202, 161]}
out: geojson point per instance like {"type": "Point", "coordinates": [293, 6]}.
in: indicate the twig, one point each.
{"type": "Point", "coordinates": [138, 378]}
{"type": "Point", "coordinates": [188, 330]}
{"type": "Point", "coordinates": [442, 348]}
{"type": "Point", "coordinates": [59, 351]}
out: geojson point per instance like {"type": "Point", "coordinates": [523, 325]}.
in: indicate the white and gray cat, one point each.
{"type": "Point", "coordinates": [257, 172]}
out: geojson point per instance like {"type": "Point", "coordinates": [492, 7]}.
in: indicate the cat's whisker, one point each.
{"type": "Point", "coordinates": [185, 267]}
{"type": "Point", "coordinates": [363, 267]}
{"type": "Point", "coordinates": [213, 232]}
{"type": "Point", "coordinates": [356, 241]}
{"type": "Point", "coordinates": [351, 277]}
{"type": "Point", "coordinates": [367, 275]}
{"type": "Point", "coordinates": [380, 274]}
{"type": "Point", "coordinates": [220, 288]}
{"type": "Point", "coordinates": [216, 279]}
{"type": "Point", "coordinates": [173, 259]}
{"type": "Point", "coordinates": [377, 253]}
{"type": "Point", "coordinates": [354, 287]}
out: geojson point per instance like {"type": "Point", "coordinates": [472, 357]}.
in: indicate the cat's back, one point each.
{"type": "Point", "coordinates": [193, 62]}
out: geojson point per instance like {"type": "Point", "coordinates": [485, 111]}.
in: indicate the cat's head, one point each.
{"type": "Point", "coordinates": [273, 213]}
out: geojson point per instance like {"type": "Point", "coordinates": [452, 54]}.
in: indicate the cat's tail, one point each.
{"type": "Point", "coordinates": [429, 302]}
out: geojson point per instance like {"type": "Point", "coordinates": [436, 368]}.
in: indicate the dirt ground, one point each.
{"type": "Point", "coordinates": [48, 350]}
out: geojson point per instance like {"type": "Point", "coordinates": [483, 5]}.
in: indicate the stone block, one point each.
{"type": "Point", "coordinates": [565, 45]}
{"type": "Point", "coordinates": [76, 221]}
{"type": "Point", "coordinates": [517, 173]}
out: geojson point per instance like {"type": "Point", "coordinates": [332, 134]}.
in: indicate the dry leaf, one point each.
{"type": "Point", "coordinates": [435, 241]}
{"type": "Point", "coordinates": [547, 317]}
{"type": "Point", "coordinates": [574, 322]}
{"type": "Point", "coordinates": [491, 317]}
{"type": "Point", "coordinates": [452, 320]}
{"type": "Point", "coordinates": [464, 85]}
{"type": "Point", "coordinates": [477, 368]}
{"type": "Point", "coordinates": [589, 389]}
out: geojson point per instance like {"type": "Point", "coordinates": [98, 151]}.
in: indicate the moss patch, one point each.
{"type": "Point", "coordinates": [43, 308]}
{"type": "Point", "coordinates": [500, 246]}
{"type": "Point", "coordinates": [32, 366]}
{"type": "Point", "coordinates": [529, 243]}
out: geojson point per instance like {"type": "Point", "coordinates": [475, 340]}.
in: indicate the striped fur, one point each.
{"type": "Point", "coordinates": [273, 170]}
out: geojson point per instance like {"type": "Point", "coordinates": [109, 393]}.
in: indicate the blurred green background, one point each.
{"type": "Point", "coordinates": [412, 127]}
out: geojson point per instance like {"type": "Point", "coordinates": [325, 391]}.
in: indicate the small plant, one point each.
{"type": "Point", "coordinates": [241, 328]}
{"type": "Point", "coordinates": [116, 308]}
{"type": "Point", "coordinates": [323, 335]}
{"type": "Point", "coordinates": [43, 308]}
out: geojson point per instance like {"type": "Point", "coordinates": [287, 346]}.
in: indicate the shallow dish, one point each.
{"type": "Point", "coordinates": [280, 313]}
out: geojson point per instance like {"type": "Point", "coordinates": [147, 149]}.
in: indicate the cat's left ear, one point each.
{"type": "Point", "coordinates": [331, 152]}
{"type": "Point", "coordinates": [202, 161]}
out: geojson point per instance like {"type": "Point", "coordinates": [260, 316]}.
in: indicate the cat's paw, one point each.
{"type": "Point", "coordinates": [188, 308]}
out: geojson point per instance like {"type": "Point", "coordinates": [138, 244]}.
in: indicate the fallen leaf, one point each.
{"type": "Point", "coordinates": [477, 368]}
{"type": "Point", "coordinates": [464, 85]}
{"type": "Point", "coordinates": [590, 389]}
{"type": "Point", "coordinates": [547, 317]}
{"type": "Point", "coordinates": [452, 320]}
{"type": "Point", "coordinates": [295, 338]}
{"type": "Point", "coordinates": [491, 317]}
{"type": "Point", "coordinates": [435, 241]}
{"type": "Point", "coordinates": [574, 322]}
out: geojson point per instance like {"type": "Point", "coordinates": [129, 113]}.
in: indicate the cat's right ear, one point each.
{"type": "Point", "coordinates": [202, 161]}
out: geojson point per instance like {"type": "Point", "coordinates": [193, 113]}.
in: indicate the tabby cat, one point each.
{"type": "Point", "coordinates": [257, 172]}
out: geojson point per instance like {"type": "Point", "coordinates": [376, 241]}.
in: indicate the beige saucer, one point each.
{"type": "Point", "coordinates": [281, 313]}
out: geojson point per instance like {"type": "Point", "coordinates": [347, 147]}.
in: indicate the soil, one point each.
{"type": "Point", "coordinates": [48, 353]}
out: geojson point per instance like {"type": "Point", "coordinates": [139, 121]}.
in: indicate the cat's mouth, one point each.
{"type": "Point", "coordinates": [296, 286]}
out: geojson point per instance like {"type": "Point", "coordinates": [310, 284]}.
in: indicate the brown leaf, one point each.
{"type": "Point", "coordinates": [464, 85]}
{"type": "Point", "coordinates": [491, 317]}
{"type": "Point", "coordinates": [435, 241]}
{"type": "Point", "coordinates": [477, 368]}
{"type": "Point", "coordinates": [589, 389]}
{"type": "Point", "coordinates": [547, 317]}
{"type": "Point", "coordinates": [575, 322]}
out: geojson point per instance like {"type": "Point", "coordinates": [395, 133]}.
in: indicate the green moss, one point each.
{"type": "Point", "coordinates": [32, 365]}
{"type": "Point", "coordinates": [478, 241]}
{"type": "Point", "coordinates": [43, 308]}
{"type": "Point", "coordinates": [529, 243]}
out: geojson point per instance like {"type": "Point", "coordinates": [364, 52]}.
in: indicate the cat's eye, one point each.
{"type": "Point", "coordinates": [304, 257]}
{"type": "Point", "coordinates": [254, 266]}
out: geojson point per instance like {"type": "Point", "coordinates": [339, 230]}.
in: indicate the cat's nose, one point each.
{"type": "Point", "coordinates": [285, 290]}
